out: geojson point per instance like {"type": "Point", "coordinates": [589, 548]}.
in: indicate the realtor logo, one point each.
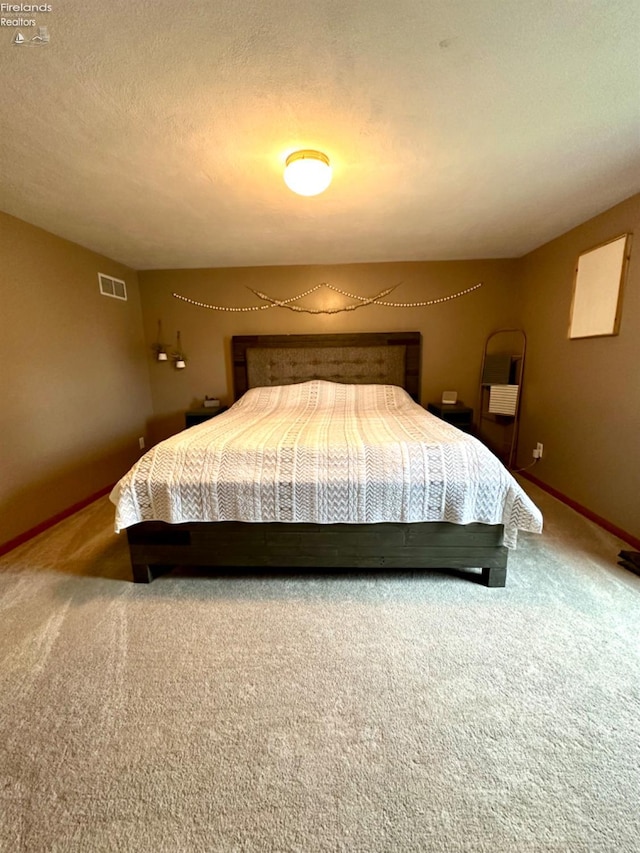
{"type": "Point", "coordinates": [41, 38]}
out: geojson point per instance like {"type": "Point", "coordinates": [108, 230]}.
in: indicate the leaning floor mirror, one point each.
{"type": "Point", "coordinates": [501, 379]}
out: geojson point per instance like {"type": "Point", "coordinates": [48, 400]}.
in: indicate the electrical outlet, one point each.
{"type": "Point", "coordinates": [141, 442]}
{"type": "Point", "coordinates": [540, 449]}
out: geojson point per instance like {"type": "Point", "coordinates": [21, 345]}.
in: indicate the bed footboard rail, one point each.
{"type": "Point", "coordinates": [156, 546]}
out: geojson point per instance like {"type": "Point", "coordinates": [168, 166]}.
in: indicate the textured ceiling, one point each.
{"type": "Point", "coordinates": [155, 132]}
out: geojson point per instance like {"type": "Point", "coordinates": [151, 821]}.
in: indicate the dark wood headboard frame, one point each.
{"type": "Point", "coordinates": [411, 341]}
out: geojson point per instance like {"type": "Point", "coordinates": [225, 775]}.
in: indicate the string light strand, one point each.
{"type": "Point", "coordinates": [360, 304]}
{"type": "Point", "coordinates": [361, 301]}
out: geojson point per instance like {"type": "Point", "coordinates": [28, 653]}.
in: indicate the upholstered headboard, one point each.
{"type": "Point", "coordinates": [388, 358]}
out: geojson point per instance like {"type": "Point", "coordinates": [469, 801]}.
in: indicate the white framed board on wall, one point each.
{"type": "Point", "coordinates": [597, 290]}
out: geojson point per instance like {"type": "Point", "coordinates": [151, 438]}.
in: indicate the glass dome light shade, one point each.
{"type": "Point", "coordinates": [307, 172]}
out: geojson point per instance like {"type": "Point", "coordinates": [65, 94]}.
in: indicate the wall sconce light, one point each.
{"type": "Point", "coordinates": [307, 172]}
{"type": "Point", "coordinates": [179, 358]}
{"type": "Point", "coordinates": [159, 347]}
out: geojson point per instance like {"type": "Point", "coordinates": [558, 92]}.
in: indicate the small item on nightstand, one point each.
{"type": "Point", "coordinates": [449, 397]}
{"type": "Point", "coordinates": [211, 403]}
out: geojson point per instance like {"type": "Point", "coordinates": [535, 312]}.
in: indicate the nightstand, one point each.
{"type": "Point", "coordinates": [456, 414]}
{"type": "Point", "coordinates": [198, 416]}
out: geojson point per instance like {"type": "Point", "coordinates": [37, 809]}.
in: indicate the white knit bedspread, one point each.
{"type": "Point", "coordinates": [325, 453]}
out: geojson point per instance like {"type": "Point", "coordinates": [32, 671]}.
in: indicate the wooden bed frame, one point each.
{"type": "Point", "coordinates": [156, 546]}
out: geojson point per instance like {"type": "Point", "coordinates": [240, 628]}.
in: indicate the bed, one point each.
{"type": "Point", "coordinates": [325, 460]}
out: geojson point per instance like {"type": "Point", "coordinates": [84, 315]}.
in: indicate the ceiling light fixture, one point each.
{"type": "Point", "coordinates": [307, 172]}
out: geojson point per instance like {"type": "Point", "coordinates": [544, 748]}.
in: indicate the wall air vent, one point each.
{"type": "Point", "coordinates": [110, 286]}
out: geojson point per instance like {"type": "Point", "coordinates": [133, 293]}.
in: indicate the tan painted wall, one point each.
{"type": "Point", "coordinates": [453, 332]}
{"type": "Point", "coordinates": [583, 396]}
{"type": "Point", "coordinates": [74, 384]}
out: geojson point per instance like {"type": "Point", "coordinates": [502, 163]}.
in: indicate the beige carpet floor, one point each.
{"type": "Point", "coordinates": [319, 712]}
